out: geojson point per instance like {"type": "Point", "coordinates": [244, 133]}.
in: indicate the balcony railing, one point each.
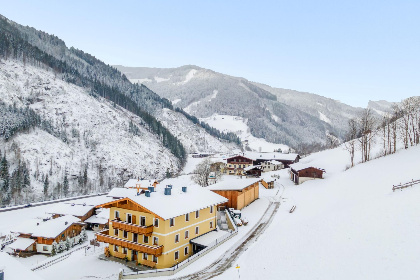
{"type": "Point", "coordinates": [132, 227]}
{"type": "Point", "coordinates": [104, 236]}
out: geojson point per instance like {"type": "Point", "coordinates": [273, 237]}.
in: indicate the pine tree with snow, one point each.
{"type": "Point", "coordinates": [67, 244]}
{"type": "Point", "coordinates": [54, 249]}
{"type": "Point", "coordinates": [66, 186]}
{"type": "Point", "coordinates": [46, 185]}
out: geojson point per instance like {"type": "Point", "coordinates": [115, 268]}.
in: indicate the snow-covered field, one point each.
{"type": "Point", "coordinates": [238, 125]}
{"type": "Point", "coordinates": [347, 226]}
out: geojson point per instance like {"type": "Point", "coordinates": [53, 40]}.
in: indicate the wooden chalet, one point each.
{"type": "Point", "coordinates": [300, 173]}
{"type": "Point", "coordinates": [240, 192]}
{"type": "Point", "coordinates": [253, 171]}
{"type": "Point", "coordinates": [285, 159]}
{"type": "Point", "coordinates": [235, 165]}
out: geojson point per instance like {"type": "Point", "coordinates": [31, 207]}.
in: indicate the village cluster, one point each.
{"type": "Point", "coordinates": [155, 224]}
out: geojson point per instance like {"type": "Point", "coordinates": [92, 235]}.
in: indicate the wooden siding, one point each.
{"type": "Point", "coordinates": [242, 198]}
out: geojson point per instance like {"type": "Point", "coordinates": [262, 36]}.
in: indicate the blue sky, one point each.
{"type": "Point", "coordinates": [352, 51]}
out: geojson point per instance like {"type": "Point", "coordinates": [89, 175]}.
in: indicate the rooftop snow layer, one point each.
{"type": "Point", "coordinates": [132, 183]}
{"type": "Point", "coordinates": [174, 205]}
{"type": "Point", "coordinates": [77, 210]}
{"type": "Point", "coordinates": [209, 237]}
{"type": "Point", "coordinates": [270, 156]}
{"type": "Point", "coordinates": [21, 243]}
{"type": "Point", "coordinates": [233, 183]}
{"type": "Point", "coordinates": [49, 229]}
{"type": "Point", "coordinates": [301, 165]}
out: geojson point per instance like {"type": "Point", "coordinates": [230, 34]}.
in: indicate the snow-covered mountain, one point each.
{"type": "Point", "coordinates": [277, 115]}
{"type": "Point", "coordinates": [66, 114]}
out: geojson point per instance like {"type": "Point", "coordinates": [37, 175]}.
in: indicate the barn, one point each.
{"type": "Point", "coordinates": [239, 191]}
{"type": "Point", "coordinates": [300, 173]}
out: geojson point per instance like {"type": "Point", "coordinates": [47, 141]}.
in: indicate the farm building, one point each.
{"type": "Point", "coordinates": [253, 170]}
{"type": "Point", "coordinates": [300, 173]}
{"type": "Point", "coordinates": [285, 159]}
{"type": "Point", "coordinates": [235, 165]}
{"type": "Point", "coordinates": [239, 191]}
{"type": "Point", "coordinates": [41, 234]}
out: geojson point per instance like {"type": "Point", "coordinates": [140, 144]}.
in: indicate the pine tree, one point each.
{"type": "Point", "coordinates": [66, 185]}
{"type": "Point", "coordinates": [46, 185]}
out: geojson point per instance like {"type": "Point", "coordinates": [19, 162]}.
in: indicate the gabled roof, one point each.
{"type": "Point", "coordinates": [168, 206]}
{"type": "Point", "coordinates": [239, 156]}
{"type": "Point", "coordinates": [233, 183]}
{"type": "Point", "coordinates": [78, 210]}
{"type": "Point", "coordinates": [21, 243]}
{"type": "Point", "coordinates": [301, 166]}
{"type": "Point", "coordinates": [252, 167]}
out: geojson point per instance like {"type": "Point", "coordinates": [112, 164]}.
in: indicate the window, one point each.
{"type": "Point", "coordinates": [155, 259]}
{"type": "Point", "coordinates": [211, 209]}
{"type": "Point", "coordinates": [145, 256]}
{"type": "Point", "coordinates": [129, 218]}
{"type": "Point", "coordinates": [197, 214]}
{"type": "Point", "coordinates": [143, 221]}
{"type": "Point", "coordinates": [117, 214]}
{"type": "Point", "coordinates": [186, 251]}
{"type": "Point", "coordinates": [45, 248]}
{"type": "Point", "coordinates": [156, 222]}
{"type": "Point", "coordinates": [187, 217]}
{"type": "Point", "coordinates": [187, 233]}
{"type": "Point", "coordinates": [176, 238]}
{"type": "Point", "coordinates": [115, 248]}
{"type": "Point", "coordinates": [196, 230]}
{"type": "Point", "coordinates": [211, 224]}
{"type": "Point", "coordinates": [116, 232]}
{"type": "Point", "coordinates": [155, 241]}
{"type": "Point", "coordinates": [125, 234]}
{"type": "Point", "coordinates": [171, 222]}
{"type": "Point", "coordinates": [145, 239]}
{"type": "Point", "coordinates": [125, 251]}
{"type": "Point", "coordinates": [135, 235]}
{"type": "Point", "coordinates": [176, 255]}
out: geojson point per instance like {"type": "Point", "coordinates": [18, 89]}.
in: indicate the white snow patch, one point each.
{"type": "Point", "coordinates": [323, 117]}
{"type": "Point", "coordinates": [176, 101]}
{"type": "Point", "coordinates": [188, 77]}
{"type": "Point", "coordinates": [159, 79]}
{"type": "Point", "coordinates": [140, 81]}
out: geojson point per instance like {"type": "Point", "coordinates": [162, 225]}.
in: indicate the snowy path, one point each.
{"type": "Point", "coordinates": [226, 261]}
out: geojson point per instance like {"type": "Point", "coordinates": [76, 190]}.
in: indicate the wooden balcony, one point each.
{"type": "Point", "coordinates": [142, 248]}
{"type": "Point", "coordinates": [132, 227]}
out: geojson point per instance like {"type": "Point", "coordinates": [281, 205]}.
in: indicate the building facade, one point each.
{"type": "Point", "coordinates": [139, 232]}
{"type": "Point", "coordinates": [236, 165]}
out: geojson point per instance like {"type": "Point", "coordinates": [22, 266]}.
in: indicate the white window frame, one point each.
{"type": "Point", "coordinates": [175, 253]}
{"type": "Point", "coordinates": [125, 234]}
{"type": "Point", "coordinates": [144, 239]}
{"type": "Point", "coordinates": [177, 237]}
{"type": "Point", "coordinates": [140, 219]}
{"type": "Point", "coordinates": [187, 217]}
{"type": "Point", "coordinates": [117, 214]}
{"type": "Point", "coordinates": [172, 221]}
{"type": "Point", "coordinates": [131, 216]}
{"type": "Point", "coordinates": [154, 224]}
{"type": "Point", "coordinates": [188, 251]}
{"type": "Point", "coordinates": [197, 230]}
{"type": "Point", "coordinates": [125, 250]}
{"type": "Point", "coordinates": [187, 234]}
{"type": "Point", "coordinates": [197, 214]}
{"type": "Point", "coordinates": [145, 256]}
{"type": "Point", "coordinates": [155, 258]}
{"type": "Point", "coordinates": [116, 249]}
{"type": "Point", "coordinates": [116, 232]}
{"type": "Point", "coordinates": [157, 239]}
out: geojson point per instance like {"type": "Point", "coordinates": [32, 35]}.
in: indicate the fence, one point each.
{"type": "Point", "coordinates": [58, 259]}
{"type": "Point", "coordinates": [405, 185]}
{"type": "Point", "coordinates": [172, 270]}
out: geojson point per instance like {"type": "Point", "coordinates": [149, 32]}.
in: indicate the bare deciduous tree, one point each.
{"type": "Point", "coordinates": [202, 172]}
{"type": "Point", "coordinates": [351, 135]}
{"type": "Point", "coordinates": [366, 126]}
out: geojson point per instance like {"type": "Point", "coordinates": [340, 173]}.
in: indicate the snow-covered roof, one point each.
{"type": "Point", "coordinates": [233, 183]}
{"type": "Point", "coordinates": [132, 183]}
{"type": "Point", "coordinates": [21, 243]}
{"type": "Point", "coordinates": [270, 156]}
{"type": "Point", "coordinates": [300, 166]}
{"type": "Point", "coordinates": [78, 210]}
{"type": "Point", "coordinates": [14, 270]}
{"type": "Point", "coordinates": [252, 167]}
{"type": "Point", "coordinates": [49, 229]}
{"type": "Point", "coordinates": [274, 162]}
{"type": "Point", "coordinates": [174, 205]}
{"type": "Point", "coordinates": [95, 219]}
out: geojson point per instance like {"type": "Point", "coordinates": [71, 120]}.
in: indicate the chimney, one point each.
{"type": "Point", "coordinates": [168, 191]}
{"type": "Point", "coordinates": [151, 189]}
{"type": "Point", "coordinates": [66, 222]}
{"type": "Point", "coordinates": [147, 193]}
{"type": "Point", "coordinates": [184, 189]}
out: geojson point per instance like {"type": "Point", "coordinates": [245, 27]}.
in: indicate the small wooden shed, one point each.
{"type": "Point", "coordinates": [300, 173]}
{"type": "Point", "coordinates": [239, 191]}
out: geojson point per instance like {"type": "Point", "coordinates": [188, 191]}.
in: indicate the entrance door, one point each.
{"type": "Point", "coordinates": [134, 255]}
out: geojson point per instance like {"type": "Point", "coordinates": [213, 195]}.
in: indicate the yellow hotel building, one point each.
{"type": "Point", "coordinates": [154, 227]}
